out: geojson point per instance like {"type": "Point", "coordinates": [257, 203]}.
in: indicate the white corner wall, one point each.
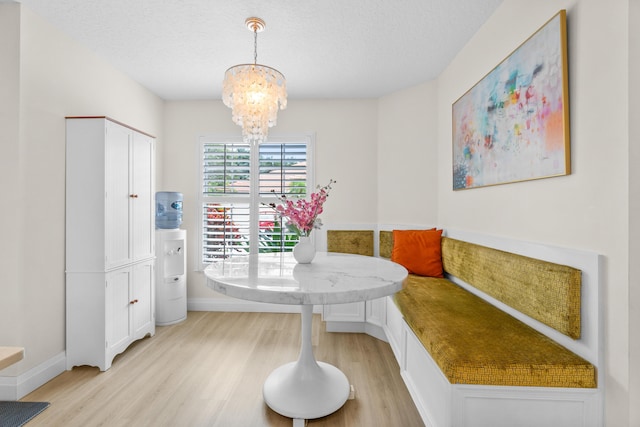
{"type": "Point", "coordinates": [588, 209]}
{"type": "Point", "coordinates": [51, 77]}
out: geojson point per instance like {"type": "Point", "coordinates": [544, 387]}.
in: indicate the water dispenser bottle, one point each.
{"type": "Point", "coordinates": [168, 209]}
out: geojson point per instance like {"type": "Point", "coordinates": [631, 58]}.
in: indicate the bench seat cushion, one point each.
{"type": "Point", "coordinates": [474, 342]}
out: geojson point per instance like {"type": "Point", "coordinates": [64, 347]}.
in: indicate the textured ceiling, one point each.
{"type": "Point", "coordinates": [180, 49]}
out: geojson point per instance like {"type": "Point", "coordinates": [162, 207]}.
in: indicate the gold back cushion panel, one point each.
{"type": "Point", "coordinates": [474, 342]}
{"type": "Point", "coordinates": [547, 292]}
{"type": "Point", "coordinates": [359, 242]}
{"type": "Point", "coordinates": [386, 244]}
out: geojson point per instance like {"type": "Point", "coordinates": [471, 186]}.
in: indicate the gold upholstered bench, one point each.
{"type": "Point", "coordinates": [460, 320]}
{"type": "Point", "coordinates": [473, 342]}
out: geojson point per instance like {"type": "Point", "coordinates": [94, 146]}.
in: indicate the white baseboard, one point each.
{"type": "Point", "coordinates": [348, 327]}
{"type": "Point", "coordinates": [375, 331]}
{"type": "Point", "coordinates": [14, 388]}
{"type": "Point", "coordinates": [357, 327]}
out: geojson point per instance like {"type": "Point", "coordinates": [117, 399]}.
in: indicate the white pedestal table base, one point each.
{"type": "Point", "coordinates": [306, 389]}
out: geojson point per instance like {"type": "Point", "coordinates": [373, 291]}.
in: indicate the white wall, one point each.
{"type": "Point", "coordinates": [407, 155]}
{"type": "Point", "coordinates": [10, 299]}
{"type": "Point", "coordinates": [346, 151]}
{"type": "Point", "coordinates": [56, 77]}
{"type": "Point", "coordinates": [586, 210]}
{"type": "Point", "coordinates": [634, 211]}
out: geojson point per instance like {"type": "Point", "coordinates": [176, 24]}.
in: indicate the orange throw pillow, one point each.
{"type": "Point", "coordinates": [419, 251]}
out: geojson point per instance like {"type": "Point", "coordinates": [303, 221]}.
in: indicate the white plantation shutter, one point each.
{"type": "Point", "coordinates": [225, 230]}
{"type": "Point", "coordinates": [283, 168]}
{"type": "Point", "coordinates": [226, 168]}
{"type": "Point", "coordinates": [236, 214]}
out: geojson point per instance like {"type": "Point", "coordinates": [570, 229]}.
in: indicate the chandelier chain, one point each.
{"type": "Point", "coordinates": [255, 45]}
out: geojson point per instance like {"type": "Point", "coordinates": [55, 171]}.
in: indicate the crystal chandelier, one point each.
{"type": "Point", "coordinates": [254, 92]}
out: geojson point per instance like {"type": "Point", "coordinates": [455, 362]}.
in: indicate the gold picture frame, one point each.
{"type": "Point", "coordinates": [513, 125]}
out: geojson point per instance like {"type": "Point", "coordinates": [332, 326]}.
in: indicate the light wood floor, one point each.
{"type": "Point", "coordinates": [209, 371]}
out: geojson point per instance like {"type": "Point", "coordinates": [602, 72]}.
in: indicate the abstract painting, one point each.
{"type": "Point", "coordinates": [513, 125]}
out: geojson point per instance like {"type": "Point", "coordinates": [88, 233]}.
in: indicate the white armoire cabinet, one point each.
{"type": "Point", "coordinates": [110, 260]}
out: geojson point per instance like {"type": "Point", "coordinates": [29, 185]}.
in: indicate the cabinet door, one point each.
{"type": "Point", "coordinates": [350, 312]}
{"type": "Point", "coordinates": [117, 250]}
{"type": "Point", "coordinates": [143, 299]}
{"type": "Point", "coordinates": [117, 302]}
{"type": "Point", "coordinates": [376, 312]}
{"type": "Point", "coordinates": [143, 200]}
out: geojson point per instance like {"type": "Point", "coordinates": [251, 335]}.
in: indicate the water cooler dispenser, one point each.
{"type": "Point", "coordinates": [171, 260]}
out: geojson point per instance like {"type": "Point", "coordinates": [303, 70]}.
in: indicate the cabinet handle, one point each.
{"type": "Point", "coordinates": [133, 196]}
{"type": "Point", "coordinates": [133, 302]}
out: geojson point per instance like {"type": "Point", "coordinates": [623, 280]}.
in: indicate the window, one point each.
{"type": "Point", "coordinates": [239, 181]}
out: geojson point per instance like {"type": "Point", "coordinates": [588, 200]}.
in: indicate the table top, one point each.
{"type": "Point", "coordinates": [10, 355]}
{"type": "Point", "coordinates": [332, 278]}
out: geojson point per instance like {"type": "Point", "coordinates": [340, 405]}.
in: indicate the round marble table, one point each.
{"type": "Point", "coordinates": [306, 389]}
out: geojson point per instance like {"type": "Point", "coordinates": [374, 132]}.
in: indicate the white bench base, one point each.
{"type": "Point", "coordinates": [442, 404]}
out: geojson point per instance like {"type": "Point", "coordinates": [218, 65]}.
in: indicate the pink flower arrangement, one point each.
{"type": "Point", "coordinates": [303, 214]}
